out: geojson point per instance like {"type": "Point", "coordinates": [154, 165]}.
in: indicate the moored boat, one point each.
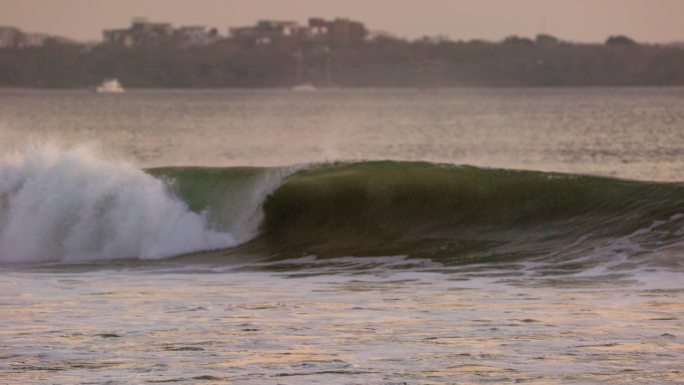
{"type": "Point", "coordinates": [110, 86]}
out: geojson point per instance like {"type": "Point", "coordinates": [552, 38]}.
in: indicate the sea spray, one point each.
{"type": "Point", "coordinates": [74, 205]}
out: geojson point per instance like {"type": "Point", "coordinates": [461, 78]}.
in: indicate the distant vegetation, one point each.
{"type": "Point", "coordinates": [381, 61]}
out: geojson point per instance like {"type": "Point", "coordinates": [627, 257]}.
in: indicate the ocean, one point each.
{"type": "Point", "coordinates": [342, 236]}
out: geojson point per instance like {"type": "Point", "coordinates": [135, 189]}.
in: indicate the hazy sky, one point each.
{"type": "Point", "coordinates": [576, 20]}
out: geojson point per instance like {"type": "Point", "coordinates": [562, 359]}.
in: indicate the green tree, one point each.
{"type": "Point", "coordinates": [620, 40]}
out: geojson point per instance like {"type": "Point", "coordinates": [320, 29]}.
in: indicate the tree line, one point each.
{"type": "Point", "coordinates": [382, 61]}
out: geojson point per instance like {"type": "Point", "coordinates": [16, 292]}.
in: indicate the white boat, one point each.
{"type": "Point", "coordinates": [304, 88]}
{"type": "Point", "coordinates": [109, 86]}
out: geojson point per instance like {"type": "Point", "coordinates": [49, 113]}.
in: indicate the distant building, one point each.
{"type": "Point", "coordinates": [317, 28]}
{"type": "Point", "coordinates": [278, 28]}
{"type": "Point", "coordinates": [266, 31]}
{"type": "Point", "coordinates": [196, 35]}
{"type": "Point", "coordinates": [141, 32]}
{"type": "Point", "coordinates": [338, 32]}
{"type": "Point", "coordinates": [118, 36]}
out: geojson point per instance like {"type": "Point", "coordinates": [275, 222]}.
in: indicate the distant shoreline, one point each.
{"type": "Point", "coordinates": [326, 53]}
{"type": "Point", "coordinates": [379, 63]}
{"type": "Point", "coordinates": [342, 89]}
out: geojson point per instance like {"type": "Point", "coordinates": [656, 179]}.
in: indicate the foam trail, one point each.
{"type": "Point", "coordinates": [73, 205]}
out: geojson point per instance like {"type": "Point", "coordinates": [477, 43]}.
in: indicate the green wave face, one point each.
{"type": "Point", "coordinates": [230, 198]}
{"type": "Point", "coordinates": [455, 214]}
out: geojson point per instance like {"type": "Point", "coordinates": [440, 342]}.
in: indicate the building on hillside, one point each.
{"type": "Point", "coordinates": [141, 32]}
{"type": "Point", "coordinates": [266, 31]}
{"type": "Point", "coordinates": [118, 36]}
{"type": "Point", "coordinates": [196, 35]}
{"type": "Point", "coordinates": [338, 32]}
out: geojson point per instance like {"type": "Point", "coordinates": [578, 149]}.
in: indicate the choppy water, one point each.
{"type": "Point", "coordinates": [117, 268]}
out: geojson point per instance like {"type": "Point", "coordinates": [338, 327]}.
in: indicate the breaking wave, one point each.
{"type": "Point", "coordinates": [77, 206]}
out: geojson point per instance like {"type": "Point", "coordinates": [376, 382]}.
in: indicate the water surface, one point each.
{"type": "Point", "coordinates": [377, 236]}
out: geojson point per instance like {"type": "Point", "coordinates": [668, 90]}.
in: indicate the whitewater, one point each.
{"type": "Point", "coordinates": [73, 206]}
{"type": "Point", "coordinates": [343, 236]}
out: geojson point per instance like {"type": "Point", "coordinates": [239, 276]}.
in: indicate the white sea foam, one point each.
{"type": "Point", "coordinates": [75, 205]}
